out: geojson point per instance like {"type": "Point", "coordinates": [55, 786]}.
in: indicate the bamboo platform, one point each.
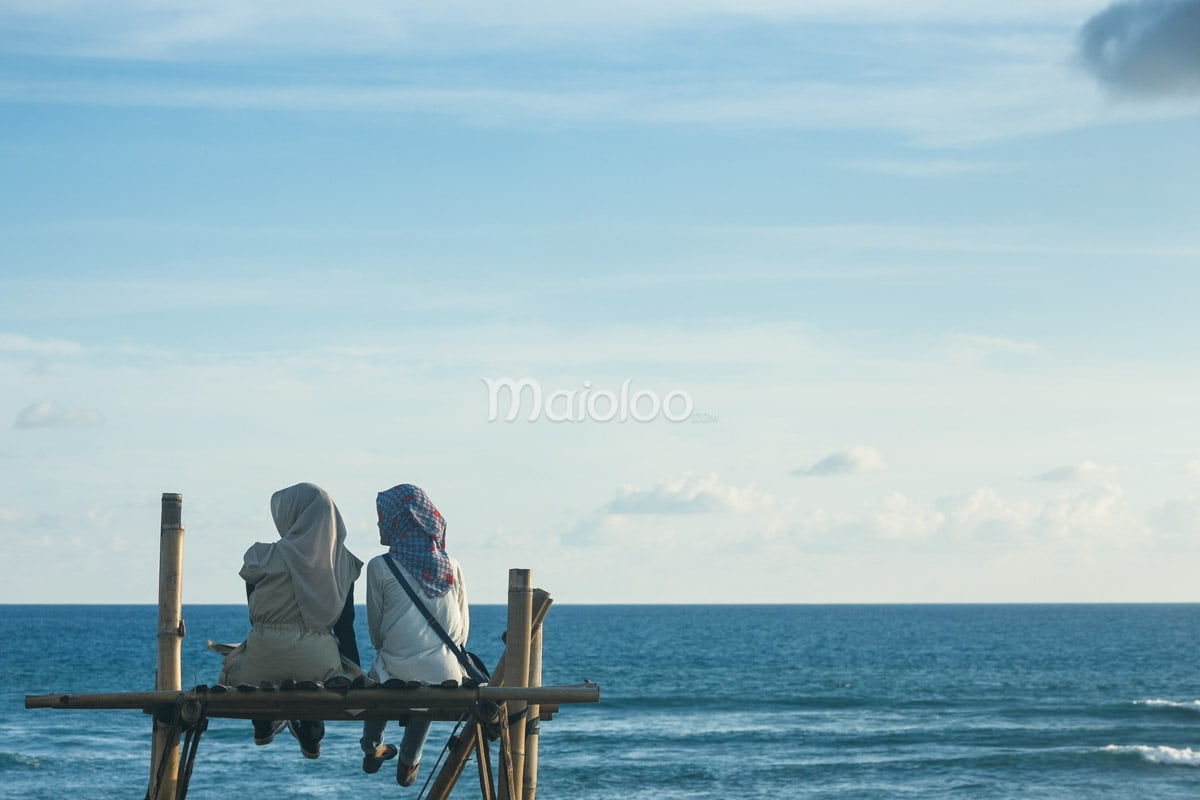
{"type": "Point", "coordinates": [506, 709]}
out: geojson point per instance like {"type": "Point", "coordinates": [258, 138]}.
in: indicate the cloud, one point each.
{"type": "Point", "coordinates": [944, 86]}
{"type": "Point", "coordinates": [16, 343]}
{"type": "Point", "coordinates": [897, 518]}
{"type": "Point", "coordinates": [690, 511]}
{"type": "Point", "coordinates": [49, 414]}
{"type": "Point", "coordinates": [140, 29]}
{"type": "Point", "coordinates": [1097, 513]}
{"type": "Point", "coordinates": [687, 495]}
{"type": "Point", "coordinates": [1096, 516]}
{"type": "Point", "coordinates": [854, 461]}
{"type": "Point", "coordinates": [925, 167]}
{"type": "Point", "coordinates": [1084, 470]}
{"type": "Point", "coordinates": [1180, 516]}
{"type": "Point", "coordinates": [1144, 48]}
{"type": "Point", "coordinates": [991, 350]}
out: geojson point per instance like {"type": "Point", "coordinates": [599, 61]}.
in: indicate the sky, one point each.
{"type": "Point", "coordinates": [823, 302]}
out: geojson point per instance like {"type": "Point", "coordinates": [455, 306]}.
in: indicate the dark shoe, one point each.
{"type": "Point", "coordinates": [308, 734]}
{"type": "Point", "coordinates": [374, 760]}
{"type": "Point", "coordinates": [406, 774]}
{"type": "Point", "coordinates": [265, 730]}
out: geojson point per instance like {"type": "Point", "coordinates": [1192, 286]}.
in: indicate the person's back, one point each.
{"type": "Point", "coordinates": [300, 598]}
{"type": "Point", "coordinates": [279, 645]}
{"type": "Point", "coordinates": [406, 647]}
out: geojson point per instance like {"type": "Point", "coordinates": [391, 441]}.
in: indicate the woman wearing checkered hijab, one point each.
{"type": "Point", "coordinates": [406, 647]}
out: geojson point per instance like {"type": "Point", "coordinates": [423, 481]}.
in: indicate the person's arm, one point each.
{"type": "Point", "coordinates": [374, 607]}
{"type": "Point", "coordinates": [464, 608]}
{"type": "Point", "coordinates": [343, 630]}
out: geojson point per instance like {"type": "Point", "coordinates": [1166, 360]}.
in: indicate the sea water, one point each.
{"type": "Point", "coordinates": [956, 701]}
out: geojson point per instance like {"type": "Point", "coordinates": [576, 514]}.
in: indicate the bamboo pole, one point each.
{"type": "Point", "coordinates": [516, 672]}
{"type": "Point", "coordinates": [456, 761]}
{"type": "Point", "coordinates": [164, 754]}
{"type": "Point", "coordinates": [529, 789]}
{"type": "Point", "coordinates": [324, 703]}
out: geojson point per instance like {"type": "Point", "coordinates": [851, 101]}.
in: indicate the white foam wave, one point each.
{"type": "Point", "coordinates": [1193, 705]}
{"type": "Point", "coordinates": [1186, 756]}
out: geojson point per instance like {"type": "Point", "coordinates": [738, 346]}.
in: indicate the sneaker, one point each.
{"type": "Point", "coordinates": [406, 774]}
{"type": "Point", "coordinates": [264, 731]}
{"type": "Point", "coordinates": [373, 760]}
{"type": "Point", "coordinates": [310, 747]}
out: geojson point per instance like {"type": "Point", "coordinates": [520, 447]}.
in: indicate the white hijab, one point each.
{"type": "Point", "coordinates": [312, 546]}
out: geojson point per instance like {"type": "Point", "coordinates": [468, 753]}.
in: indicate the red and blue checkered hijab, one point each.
{"type": "Point", "coordinates": [416, 533]}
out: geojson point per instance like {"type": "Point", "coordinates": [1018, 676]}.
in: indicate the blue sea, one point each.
{"type": "Point", "coordinates": [856, 701]}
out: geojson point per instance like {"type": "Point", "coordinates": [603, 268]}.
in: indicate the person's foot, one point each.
{"type": "Point", "coordinates": [308, 734]}
{"type": "Point", "coordinates": [373, 760]}
{"type": "Point", "coordinates": [265, 730]}
{"type": "Point", "coordinates": [406, 774]}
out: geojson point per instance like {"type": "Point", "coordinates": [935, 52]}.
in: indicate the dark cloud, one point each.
{"type": "Point", "coordinates": [1146, 48]}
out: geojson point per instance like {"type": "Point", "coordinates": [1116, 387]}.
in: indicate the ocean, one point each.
{"type": "Point", "coordinates": [794, 701]}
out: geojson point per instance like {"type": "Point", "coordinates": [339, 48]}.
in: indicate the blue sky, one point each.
{"type": "Point", "coordinates": [927, 272]}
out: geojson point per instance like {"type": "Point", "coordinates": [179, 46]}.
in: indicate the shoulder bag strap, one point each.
{"type": "Point", "coordinates": [425, 612]}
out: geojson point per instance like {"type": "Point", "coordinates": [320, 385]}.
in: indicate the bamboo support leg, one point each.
{"type": "Point", "coordinates": [456, 761]}
{"type": "Point", "coordinates": [529, 789]}
{"type": "Point", "coordinates": [516, 673]}
{"type": "Point", "coordinates": [483, 755]}
{"type": "Point", "coordinates": [165, 743]}
{"type": "Point", "coordinates": [506, 759]}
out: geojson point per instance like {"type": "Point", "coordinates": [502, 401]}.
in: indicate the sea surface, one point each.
{"type": "Point", "coordinates": [857, 701]}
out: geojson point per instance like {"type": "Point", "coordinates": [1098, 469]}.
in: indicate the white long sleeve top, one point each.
{"type": "Point", "coordinates": [406, 647]}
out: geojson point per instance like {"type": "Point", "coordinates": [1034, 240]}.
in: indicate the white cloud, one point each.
{"type": "Point", "coordinates": [688, 495]}
{"type": "Point", "coordinates": [1179, 517]}
{"type": "Point", "coordinates": [27, 345]}
{"type": "Point", "coordinates": [926, 168]}
{"type": "Point", "coordinates": [49, 414]}
{"type": "Point", "coordinates": [1084, 470]}
{"type": "Point", "coordinates": [982, 515]}
{"type": "Point", "coordinates": [992, 350]}
{"type": "Point", "coordinates": [137, 29]}
{"type": "Point", "coordinates": [1099, 513]}
{"type": "Point", "coordinates": [976, 88]}
{"type": "Point", "coordinates": [897, 518]}
{"type": "Point", "coordinates": [854, 461]}
{"type": "Point", "coordinates": [1075, 521]}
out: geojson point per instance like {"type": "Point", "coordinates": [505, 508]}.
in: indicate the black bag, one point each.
{"type": "Point", "coordinates": [472, 664]}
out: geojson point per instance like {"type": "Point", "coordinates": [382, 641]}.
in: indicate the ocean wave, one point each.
{"type": "Point", "coordinates": [18, 761]}
{"type": "Point", "coordinates": [1184, 757]}
{"type": "Point", "coordinates": [1193, 705]}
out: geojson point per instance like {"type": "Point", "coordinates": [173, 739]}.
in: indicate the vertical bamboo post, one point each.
{"type": "Point", "coordinates": [516, 669]}
{"type": "Point", "coordinates": [456, 761]}
{"type": "Point", "coordinates": [529, 788]}
{"type": "Point", "coordinates": [170, 635]}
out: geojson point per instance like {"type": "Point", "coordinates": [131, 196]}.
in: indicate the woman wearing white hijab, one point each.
{"type": "Point", "coordinates": [300, 594]}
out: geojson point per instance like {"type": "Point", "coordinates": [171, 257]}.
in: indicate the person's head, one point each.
{"type": "Point", "coordinates": [305, 500]}
{"type": "Point", "coordinates": [407, 519]}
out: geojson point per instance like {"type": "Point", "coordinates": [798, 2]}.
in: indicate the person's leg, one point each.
{"type": "Point", "coordinates": [265, 730]}
{"type": "Point", "coordinates": [372, 734]}
{"type": "Point", "coordinates": [410, 751]}
{"type": "Point", "coordinates": [309, 733]}
{"type": "Point", "coordinates": [415, 733]}
{"type": "Point", "coordinates": [375, 752]}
